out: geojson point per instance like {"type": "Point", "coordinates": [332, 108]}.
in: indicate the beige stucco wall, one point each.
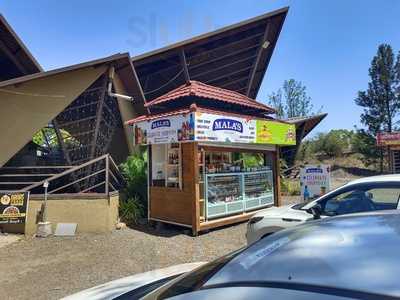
{"type": "Point", "coordinates": [92, 213]}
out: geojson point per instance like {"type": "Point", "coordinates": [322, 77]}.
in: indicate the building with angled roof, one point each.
{"type": "Point", "coordinates": [77, 119]}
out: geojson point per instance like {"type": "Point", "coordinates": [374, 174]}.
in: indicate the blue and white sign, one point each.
{"type": "Point", "coordinates": [227, 124]}
{"type": "Point", "coordinates": [315, 180]}
{"type": "Point", "coordinates": [217, 128]}
{"type": "Point", "coordinates": [160, 123]}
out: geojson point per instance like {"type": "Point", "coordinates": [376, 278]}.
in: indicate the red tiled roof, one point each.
{"type": "Point", "coordinates": [202, 90]}
{"type": "Point", "coordinates": [156, 116]}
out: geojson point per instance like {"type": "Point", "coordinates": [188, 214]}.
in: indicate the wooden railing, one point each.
{"type": "Point", "coordinates": [100, 175]}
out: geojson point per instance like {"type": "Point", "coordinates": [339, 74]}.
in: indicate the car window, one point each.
{"type": "Point", "coordinates": [361, 199]}
{"type": "Point", "coordinates": [384, 198]}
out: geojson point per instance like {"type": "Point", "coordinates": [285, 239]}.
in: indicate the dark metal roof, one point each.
{"type": "Point", "coordinates": [15, 58]}
{"type": "Point", "coordinates": [309, 123]}
{"type": "Point", "coordinates": [234, 57]}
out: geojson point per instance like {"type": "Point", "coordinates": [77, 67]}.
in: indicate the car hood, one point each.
{"type": "Point", "coordinates": [284, 212]}
{"type": "Point", "coordinates": [118, 287]}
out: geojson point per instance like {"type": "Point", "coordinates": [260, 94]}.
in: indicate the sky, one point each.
{"type": "Point", "coordinates": [327, 45]}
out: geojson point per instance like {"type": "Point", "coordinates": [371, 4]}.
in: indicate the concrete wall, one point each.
{"type": "Point", "coordinates": [93, 213]}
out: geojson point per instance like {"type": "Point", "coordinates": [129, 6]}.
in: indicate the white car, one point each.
{"type": "Point", "coordinates": [361, 195]}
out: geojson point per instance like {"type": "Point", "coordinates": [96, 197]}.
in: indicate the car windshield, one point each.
{"type": "Point", "coordinates": [339, 253]}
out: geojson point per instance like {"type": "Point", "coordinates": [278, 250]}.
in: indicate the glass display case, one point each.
{"type": "Point", "coordinates": [258, 189]}
{"type": "Point", "coordinates": [230, 193]}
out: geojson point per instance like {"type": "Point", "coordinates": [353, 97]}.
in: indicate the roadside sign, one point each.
{"type": "Point", "coordinates": [315, 181]}
{"type": "Point", "coordinates": [13, 207]}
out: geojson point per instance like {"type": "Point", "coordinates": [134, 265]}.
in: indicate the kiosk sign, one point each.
{"type": "Point", "coordinates": [314, 181]}
{"type": "Point", "coordinates": [13, 207]}
{"type": "Point", "coordinates": [207, 127]}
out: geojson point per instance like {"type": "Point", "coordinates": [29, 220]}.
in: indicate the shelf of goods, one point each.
{"type": "Point", "coordinates": [230, 193]}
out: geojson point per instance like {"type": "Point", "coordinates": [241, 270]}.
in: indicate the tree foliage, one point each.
{"type": "Point", "coordinates": [292, 100]}
{"type": "Point", "coordinates": [134, 169]}
{"type": "Point", "coordinates": [364, 143]}
{"type": "Point", "coordinates": [332, 144]}
{"type": "Point", "coordinates": [381, 101]}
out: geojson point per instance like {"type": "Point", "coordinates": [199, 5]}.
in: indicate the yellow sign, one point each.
{"type": "Point", "coordinates": [278, 133]}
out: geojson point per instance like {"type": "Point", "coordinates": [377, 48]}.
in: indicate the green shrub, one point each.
{"type": "Point", "coordinates": [290, 187]}
{"type": "Point", "coordinates": [131, 210]}
{"type": "Point", "coordinates": [134, 170]}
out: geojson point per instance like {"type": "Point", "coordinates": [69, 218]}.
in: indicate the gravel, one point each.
{"type": "Point", "coordinates": [55, 267]}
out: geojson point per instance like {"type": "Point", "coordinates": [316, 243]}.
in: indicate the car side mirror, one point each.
{"type": "Point", "coordinates": [316, 211]}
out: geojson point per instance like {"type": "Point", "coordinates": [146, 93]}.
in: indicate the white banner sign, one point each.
{"type": "Point", "coordinates": [315, 181]}
{"type": "Point", "coordinates": [165, 130]}
{"type": "Point", "coordinates": [217, 128]}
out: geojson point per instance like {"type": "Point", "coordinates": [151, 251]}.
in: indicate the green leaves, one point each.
{"type": "Point", "coordinates": [292, 100]}
{"type": "Point", "coordinates": [381, 101]}
{"type": "Point", "coordinates": [134, 170]}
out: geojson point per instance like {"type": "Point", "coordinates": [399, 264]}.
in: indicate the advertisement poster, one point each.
{"type": "Point", "coordinates": [315, 181]}
{"type": "Point", "coordinates": [165, 130]}
{"type": "Point", "coordinates": [208, 127]}
{"type": "Point", "coordinates": [13, 208]}
{"type": "Point", "coordinates": [270, 132]}
{"type": "Point", "coordinates": [218, 128]}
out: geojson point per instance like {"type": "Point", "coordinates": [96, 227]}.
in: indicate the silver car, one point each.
{"type": "Point", "coordinates": [361, 195]}
{"type": "Point", "coordinates": [347, 257]}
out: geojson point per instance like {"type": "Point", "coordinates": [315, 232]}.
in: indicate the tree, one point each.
{"type": "Point", "coordinates": [381, 101]}
{"type": "Point", "coordinates": [332, 144]}
{"type": "Point", "coordinates": [293, 101]}
{"type": "Point", "coordinates": [364, 143]}
{"type": "Point", "coordinates": [277, 103]}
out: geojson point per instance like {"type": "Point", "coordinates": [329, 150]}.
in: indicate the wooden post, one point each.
{"type": "Point", "coordinates": [278, 200]}
{"type": "Point", "coordinates": [196, 196]}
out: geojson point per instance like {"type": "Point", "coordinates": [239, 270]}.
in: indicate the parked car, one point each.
{"type": "Point", "coordinates": [361, 195]}
{"type": "Point", "coordinates": [345, 257]}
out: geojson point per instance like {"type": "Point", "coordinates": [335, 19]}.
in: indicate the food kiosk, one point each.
{"type": "Point", "coordinates": [213, 156]}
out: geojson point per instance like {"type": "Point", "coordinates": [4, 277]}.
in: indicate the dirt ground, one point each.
{"type": "Point", "coordinates": [55, 267]}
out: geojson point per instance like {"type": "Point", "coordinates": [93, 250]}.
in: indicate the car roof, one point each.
{"type": "Point", "coordinates": [378, 178]}
{"type": "Point", "coordinates": [354, 252]}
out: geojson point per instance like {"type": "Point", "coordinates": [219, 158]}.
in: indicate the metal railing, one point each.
{"type": "Point", "coordinates": [100, 175]}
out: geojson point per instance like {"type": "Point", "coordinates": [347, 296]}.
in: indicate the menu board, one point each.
{"type": "Point", "coordinates": [13, 207]}
{"type": "Point", "coordinates": [208, 127]}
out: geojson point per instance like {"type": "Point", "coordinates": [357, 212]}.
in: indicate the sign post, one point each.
{"type": "Point", "coordinates": [44, 227]}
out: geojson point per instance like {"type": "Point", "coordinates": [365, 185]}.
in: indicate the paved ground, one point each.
{"type": "Point", "coordinates": [55, 267]}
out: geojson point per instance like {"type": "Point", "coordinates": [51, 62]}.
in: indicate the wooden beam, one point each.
{"type": "Point", "coordinates": [12, 57]}
{"type": "Point", "coordinates": [227, 75]}
{"type": "Point", "coordinates": [223, 66]}
{"type": "Point", "coordinates": [219, 58]}
{"type": "Point", "coordinates": [193, 58]}
{"type": "Point", "coordinates": [259, 54]}
{"type": "Point", "coordinates": [184, 65]}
